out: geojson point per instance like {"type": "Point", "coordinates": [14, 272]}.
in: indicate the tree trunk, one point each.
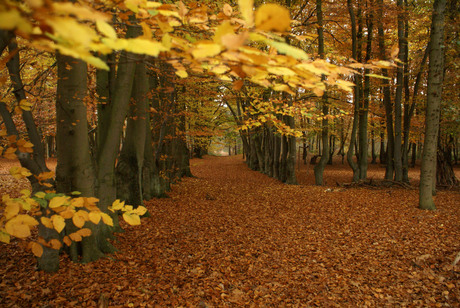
{"type": "Point", "coordinates": [75, 169]}
{"type": "Point", "coordinates": [131, 161]}
{"type": "Point", "coordinates": [319, 168]}
{"type": "Point", "coordinates": [433, 104]}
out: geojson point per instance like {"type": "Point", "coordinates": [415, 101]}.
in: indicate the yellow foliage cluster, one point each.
{"type": "Point", "coordinates": [56, 211]}
{"type": "Point", "coordinates": [236, 49]}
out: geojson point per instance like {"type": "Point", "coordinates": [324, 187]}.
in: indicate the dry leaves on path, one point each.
{"type": "Point", "coordinates": [231, 237]}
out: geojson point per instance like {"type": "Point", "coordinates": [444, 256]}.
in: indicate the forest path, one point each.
{"type": "Point", "coordinates": [232, 237]}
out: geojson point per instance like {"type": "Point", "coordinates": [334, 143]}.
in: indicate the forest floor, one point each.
{"type": "Point", "coordinates": [231, 237]}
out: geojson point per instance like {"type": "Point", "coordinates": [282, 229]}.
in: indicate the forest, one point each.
{"type": "Point", "coordinates": [339, 122]}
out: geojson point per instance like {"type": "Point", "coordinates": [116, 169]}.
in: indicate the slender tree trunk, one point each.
{"type": "Point", "coordinates": [356, 96]}
{"type": "Point", "coordinates": [389, 171]}
{"type": "Point", "coordinates": [434, 95]}
{"type": "Point", "coordinates": [319, 168]}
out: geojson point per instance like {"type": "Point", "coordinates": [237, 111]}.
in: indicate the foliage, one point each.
{"type": "Point", "coordinates": [55, 211]}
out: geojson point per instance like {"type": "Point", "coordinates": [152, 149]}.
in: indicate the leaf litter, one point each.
{"type": "Point", "coordinates": [232, 237]}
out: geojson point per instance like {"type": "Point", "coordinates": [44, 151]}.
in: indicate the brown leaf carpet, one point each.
{"type": "Point", "coordinates": [232, 237]}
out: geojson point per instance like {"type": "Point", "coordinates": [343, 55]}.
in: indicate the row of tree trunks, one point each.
{"type": "Point", "coordinates": [134, 155]}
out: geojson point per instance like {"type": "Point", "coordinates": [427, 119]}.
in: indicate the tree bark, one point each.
{"type": "Point", "coordinates": [433, 104]}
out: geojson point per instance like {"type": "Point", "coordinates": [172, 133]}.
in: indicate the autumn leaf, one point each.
{"type": "Point", "coordinates": [75, 237]}
{"type": "Point", "coordinates": [36, 248]}
{"type": "Point", "coordinates": [246, 9]}
{"type": "Point", "coordinates": [67, 240]}
{"type": "Point", "coordinates": [79, 218]}
{"type": "Point", "coordinates": [204, 50]}
{"type": "Point", "coordinates": [19, 172]}
{"type": "Point", "coordinates": [132, 219]}
{"type": "Point", "coordinates": [4, 237]}
{"type": "Point", "coordinates": [94, 217]}
{"type": "Point", "coordinates": [47, 222]}
{"type": "Point", "coordinates": [24, 146]}
{"type": "Point", "coordinates": [182, 74]}
{"type": "Point", "coordinates": [12, 209]}
{"type": "Point", "coordinates": [58, 201]}
{"type": "Point", "coordinates": [25, 105]}
{"type": "Point", "coordinates": [118, 205]}
{"type": "Point", "coordinates": [19, 226]}
{"type": "Point", "coordinates": [84, 232]}
{"type": "Point", "coordinates": [106, 29]}
{"type": "Point", "coordinates": [10, 153]}
{"type": "Point", "coordinates": [107, 219]}
{"type": "Point", "coordinates": [58, 222]}
{"type": "Point", "coordinates": [273, 17]}
{"type": "Point", "coordinates": [55, 244]}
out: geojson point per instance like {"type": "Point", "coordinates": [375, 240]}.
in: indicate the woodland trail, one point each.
{"type": "Point", "coordinates": [231, 237]}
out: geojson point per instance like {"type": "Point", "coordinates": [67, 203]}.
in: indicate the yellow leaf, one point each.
{"type": "Point", "coordinates": [94, 217]}
{"type": "Point", "coordinates": [168, 13]}
{"type": "Point", "coordinates": [24, 146]}
{"type": "Point", "coordinates": [273, 17]}
{"type": "Point", "coordinates": [107, 219]}
{"type": "Point", "coordinates": [84, 232]}
{"type": "Point", "coordinates": [58, 201]}
{"type": "Point", "coordinates": [246, 9]}
{"type": "Point", "coordinates": [19, 172]}
{"type": "Point", "coordinates": [67, 213]}
{"type": "Point", "coordinates": [82, 12]}
{"type": "Point", "coordinates": [79, 218]}
{"type": "Point", "coordinates": [58, 222]}
{"type": "Point", "coordinates": [132, 219]}
{"type": "Point", "coordinates": [75, 237]}
{"type": "Point", "coordinates": [45, 176]}
{"type": "Point", "coordinates": [106, 29]}
{"type": "Point", "coordinates": [11, 19]}
{"type": "Point", "coordinates": [36, 248]}
{"type": "Point", "coordinates": [281, 71]}
{"type": "Point", "coordinates": [143, 46]}
{"type": "Point", "coordinates": [77, 202]}
{"type": "Point", "coordinates": [40, 195]}
{"type": "Point", "coordinates": [71, 31]}
{"type": "Point", "coordinates": [4, 237]}
{"type": "Point", "coordinates": [12, 209]}
{"type": "Point", "coordinates": [234, 41]}
{"type": "Point", "coordinates": [182, 74]}
{"type": "Point", "coordinates": [220, 69]}
{"type": "Point", "coordinates": [10, 153]}
{"type": "Point", "coordinates": [118, 205]}
{"type": "Point", "coordinates": [289, 50]}
{"type": "Point", "coordinates": [140, 210]}
{"type": "Point", "coordinates": [133, 5]}
{"type": "Point", "coordinates": [223, 29]}
{"type": "Point", "coordinates": [378, 76]}
{"type": "Point", "coordinates": [25, 105]}
{"type": "Point", "coordinates": [312, 68]}
{"type": "Point", "coordinates": [55, 244]}
{"type": "Point", "coordinates": [345, 85]}
{"type": "Point", "coordinates": [47, 222]}
{"type": "Point", "coordinates": [166, 40]}
{"type": "Point", "coordinates": [17, 228]}
{"type": "Point", "coordinates": [203, 50]}
{"type": "Point", "coordinates": [91, 201]}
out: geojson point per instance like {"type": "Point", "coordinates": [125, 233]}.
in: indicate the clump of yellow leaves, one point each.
{"type": "Point", "coordinates": [56, 211]}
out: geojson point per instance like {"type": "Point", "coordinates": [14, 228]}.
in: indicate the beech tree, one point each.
{"type": "Point", "coordinates": [433, 103]}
